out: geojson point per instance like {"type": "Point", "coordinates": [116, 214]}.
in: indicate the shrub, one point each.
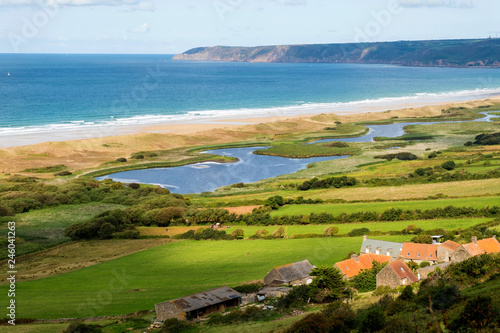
{"type": "Point", "coordinates": [63, 173]}
{"type": "Point", "coordinates": [422, 239]}
{"type": "Point", "coordinates": [121, 160]}
{"type": "Point", "coordinates": [134, 186]}
{"type": "Point", "coordinates": [372, 319]}
{"type": "Point", "coordinates": [174, 325]}
{"type": "Point", "coordinates": [314, 322]}
{"type": "Point", "coordinates": [337, 144]}
{"type": "Point", "coordinates": [248, 288]}
{"type": "Point", "coordinates": [330, 231]}
{"type": "Point", "coordinates": [358, 232]}
{"type": "Point", "coordinates": [76, 327]}
{"type": "Point", "coordinates": [238, 234]}
{"type": "Point", "coordinates": [279, 233]}
{"type": "Point", "coordinates": [448, 165]}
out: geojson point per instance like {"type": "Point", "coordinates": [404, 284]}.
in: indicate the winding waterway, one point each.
{"type": "Point", "coordinates": [249, 168]}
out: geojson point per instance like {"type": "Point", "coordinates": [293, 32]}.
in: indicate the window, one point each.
{"type": "Point", "coordinates": [377, 252]}
{"type": "Point", "coordinates": [408, 253]}
{"type": "Point", "coordinates": [418, 255]}
{"type": "Point", "coordinates": [430, 256]}
{"type": "Point", "coordinates": [401, 268]}
{"type": "Point", "coordinates": [346, 267]}
{"type": "Point", "coordinates": [367, 250]}
{"type": "Point", "coordinates": [403, 282]}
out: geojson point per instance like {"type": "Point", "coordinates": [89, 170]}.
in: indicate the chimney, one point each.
{"type": "Point", "coordinates": [365, 237]}
{"type": "Point", "coordinates": [474, 240]}
{"type": "Point", "coordinates": [355, 257]}
{"type": "Point", "coordinates": [494, 237]}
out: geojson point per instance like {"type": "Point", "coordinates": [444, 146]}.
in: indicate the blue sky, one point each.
{"type": "Point", "coordinates": [173, 26]}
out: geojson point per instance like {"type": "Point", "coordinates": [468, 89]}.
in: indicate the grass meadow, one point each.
{"type": "Point", "coordinates": [40, 229]}
{"type": "Point", "coordinates": [138, 281]}
{"type": "Point", "coordinates": [447, 224]}
{"type": "Point", "coordinates": [349, 208]}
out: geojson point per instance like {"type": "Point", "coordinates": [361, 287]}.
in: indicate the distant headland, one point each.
{"type": "Point", "coordinates": [434, 53]}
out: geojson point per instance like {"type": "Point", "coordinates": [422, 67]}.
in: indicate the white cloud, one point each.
{"type": "Point", "coordinates": [140, 29]}
{"type": "Point", "coordinates": [437, 3]}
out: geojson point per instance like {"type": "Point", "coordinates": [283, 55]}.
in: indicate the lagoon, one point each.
{"type": "Point", "coordinates": [250, 168]}
{"type": "Point", "coordinates": [209, 176]}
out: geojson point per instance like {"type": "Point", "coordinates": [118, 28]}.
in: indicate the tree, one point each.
{"type": "Point", "coordinates": [329, 279]}
{"type": "Point", "coordinates": [422, 239]}
{"type": "Point", "coordinates": [166, 215]}
{"type": "Point", "coordinates": [330, 231]}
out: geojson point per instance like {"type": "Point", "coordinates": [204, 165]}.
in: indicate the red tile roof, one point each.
{"type": "Point", "coordinates": [402, 270]}
{"type": "Point", "coordinates": [415, 251]}
{"type": "Point", "coordinates": [450, 245]}
{"type": "Point", "coordinates": [351, 267]}
{"type": "Point", "coordinates": [488, 245]}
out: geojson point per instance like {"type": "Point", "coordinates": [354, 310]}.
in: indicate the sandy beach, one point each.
{"type": "Point", "coordinates": [88, 148]}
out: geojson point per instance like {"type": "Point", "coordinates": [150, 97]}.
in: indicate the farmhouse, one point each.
{"type": "Point", "coordinates": [396, 274]}
{"type": "Point", "coordinates": [475, 248]}
{"type": "Point", "coordinates": [446, 249]}
{"type": "Point", "coordinates": [353, 266]}
{"type": "Point", "coordinates": [419, 252]}
{"type": "Point", "coordinates": [198, 305]}
{"type": "Point", "coordinates": [381, 247]}
{"type": "Point", "coordinates": [296, 273]}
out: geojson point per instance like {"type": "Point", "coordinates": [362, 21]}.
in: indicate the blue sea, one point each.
{"type": "Point", "coordinates": [41, 93]}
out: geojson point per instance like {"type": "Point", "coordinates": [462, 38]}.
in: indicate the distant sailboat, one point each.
{"type": "Point", "coordinates": [8, 74]}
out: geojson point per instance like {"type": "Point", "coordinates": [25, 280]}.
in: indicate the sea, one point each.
{"type": "Point", "coordinates": [43, 93]}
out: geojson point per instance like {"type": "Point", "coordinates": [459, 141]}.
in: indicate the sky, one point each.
{"type": "Point", "coordinates": [174, 26]}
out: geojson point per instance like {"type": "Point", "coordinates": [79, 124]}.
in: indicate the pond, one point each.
{"type": "Point", "coordinates": [250, 168]}
{"type": "Point", "coordinates": [208, 176]}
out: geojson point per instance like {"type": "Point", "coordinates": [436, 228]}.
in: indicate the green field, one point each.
{"type": "Point", "coordinates": [40, 229]}
{"type": "Point", "coordinates": [138, 281]}
{"type": "Point", "coordinates": [447, 224]}
{"type": "Point", "coordinates": [337, 209]}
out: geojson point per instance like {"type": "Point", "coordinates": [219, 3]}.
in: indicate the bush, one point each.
{"type": "Point", "coordinates": [63, 173]}
{"type": "Point", "coordinates": [358, 232]}
{"type": "Point", "coordinates": [371, 320]}
{"type": "Point", "coordinates": [238, 234]}
{"type": "Point", "coordinates": [330, 231]}
{"type": "Point", "coordinates": [404, 156]}
{"type": "Point", "coordinates": [278, 233]}
{"type": "Point", "coordinates": [448, 165]}
{"type": "Point", "coordinates": [134, 186]}
{"type": "Point", "coordinates": [121, 160]}
{"type": "Point", "coordinates": [314, 322]}
{"type": "Point", "coordinates": [248, 288]}
{"type": "Point", "coordinates": [76, 327]}
{"type": "Point", "coordinates": [337, 144]}
{"type": "Point", "coordinates": [174, 325]}
{"type": "Point", "coordinates": [422, 239]}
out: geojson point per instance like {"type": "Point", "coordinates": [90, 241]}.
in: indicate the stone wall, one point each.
{"type": "Point", "coordinates": [387, 277]}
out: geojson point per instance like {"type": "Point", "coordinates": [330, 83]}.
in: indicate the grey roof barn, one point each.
{"type": "Point", "coordinates": [381, 247]}
{"type": "Point", "coordinates": [294, 273]}
{"type": "Point", "coordinates": [200, 304]}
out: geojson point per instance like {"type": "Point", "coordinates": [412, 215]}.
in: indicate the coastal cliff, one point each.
{"type": "Point", "coordinates": [440, 53]}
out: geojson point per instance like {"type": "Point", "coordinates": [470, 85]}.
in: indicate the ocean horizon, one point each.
{"type": "Point", "coordinates": [45, 93]}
